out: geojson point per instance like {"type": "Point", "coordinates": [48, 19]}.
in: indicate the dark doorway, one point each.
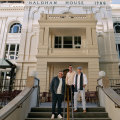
{"type": "Point", "coordinates": [65, 71]}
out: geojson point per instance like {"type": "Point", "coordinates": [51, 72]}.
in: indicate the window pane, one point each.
{"type": "Point", "coordinates": [16, 55]}
{"type": "Point", "coordinates": [67, 42]}
{"type": "Point", "coordinates": [58, 42]}
{"type": "Point", "coordinates": [117, 28]}
{"type": "Point", "coordinates": [12, 48]}
{"type": "Point", "coordinates": [119, 47]}
{"type": "Point", "coordinates": [17, 47]}
{"type": "Point", "coordinates": [16, 29]}
{"type": "Point", "coordinates": [77, 41]}
{"type": "Point", "coordinates": [12, 55]}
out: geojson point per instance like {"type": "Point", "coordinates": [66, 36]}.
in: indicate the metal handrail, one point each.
{"type": "Point", "coordinates": [72, 103]}
{"type": "Point", "coordinates": [18, 84]}
{"type": "Point", "coordinates": [68, 110]}
{"type": "Point", "coordinates": [38, 92]}
{"type": "Point", "coordinates": [64, 104]}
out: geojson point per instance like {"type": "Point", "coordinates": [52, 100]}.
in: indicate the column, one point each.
{"type": "Point", "coordinates": [20, 62]}
{"type": "Point", "coordinates": [24, 34]}
{"type": "Point", "coordinates": [43, 42]}
{"type": "Point", "coordinates": [46, 36]}
{"type": "Point", "coordinates": [3, 36]}
{"type": "Point", "coordinates": [42, 73]}
{"type": "Point", "coordinates": [41, 37]}
{"type": "Point", "coordinates": [88, 36]}
{"type": "Point", "coordinates": [94, 37]}
{"type": "Point", "coordinates": [93, 72]}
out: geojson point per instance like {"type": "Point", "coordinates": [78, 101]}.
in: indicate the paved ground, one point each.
{"type": "Point", "coordinates": [49, 105]}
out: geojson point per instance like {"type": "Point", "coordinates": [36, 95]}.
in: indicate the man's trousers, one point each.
{"type": "Point", "coordinates": [82, 92]}
{"type": "Point", "coordinates": [56, 99]}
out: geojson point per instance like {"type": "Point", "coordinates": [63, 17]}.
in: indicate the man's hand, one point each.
{"type": "Point", "coordinates": [84, 86]}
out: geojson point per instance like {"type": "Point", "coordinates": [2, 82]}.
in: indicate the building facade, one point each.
{"type": "Point", "coordinates": [47, 35]}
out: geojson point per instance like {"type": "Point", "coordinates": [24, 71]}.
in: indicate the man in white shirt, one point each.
{"type": "Point", "coordinates": [80, 82]}
{"type": "Point", "coordinates": [70, 76]}
{"type": "Point", "coordinates": [69, 81]}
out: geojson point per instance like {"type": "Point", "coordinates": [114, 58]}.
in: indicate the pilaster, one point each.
{"type": "Point", "coordinates": [42, 74]}
{"type": "Point", "coordinates": [93, 71]}
{"type": "Point", "coordinates": [24, 35]}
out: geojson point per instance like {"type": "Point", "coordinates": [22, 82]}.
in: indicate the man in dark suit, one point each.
{"type": "Point", "coordinates": [57, 88]}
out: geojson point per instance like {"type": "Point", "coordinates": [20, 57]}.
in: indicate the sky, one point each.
{"type": "Point", "coordinates": [116, 1]}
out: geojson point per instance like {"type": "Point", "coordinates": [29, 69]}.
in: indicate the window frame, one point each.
{"type": "Point", "coordinates": [116, 24]}
{"type": "Point", "coordinates": [73, 42]}
{"type": "Point", "coordinates": [11, 30]}
{"type": "Point", "coordinates": [8, 52]}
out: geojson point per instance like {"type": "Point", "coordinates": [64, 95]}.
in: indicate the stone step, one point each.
{"type": "Point", "coordinates": [96, 109]}
{"type": "Point", "coordinates": [76, 115]}
{"type": "Point", "coordinates": [70, 119]}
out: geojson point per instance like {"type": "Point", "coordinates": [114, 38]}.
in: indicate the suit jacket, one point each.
{"type": "Point", "coordinates": [54, 85]}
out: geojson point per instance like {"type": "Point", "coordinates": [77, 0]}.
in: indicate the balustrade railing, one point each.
{"type": "Point", "coordinates": [9, 91]}
{"type": "Point", "coordinates": [115, 85]}
{"type": "Point", "coordinates": [67, 17]}
{"type": "Point", "coordinates": [114, 82]}
{"type": "Point", "coordinates": [22, 104]}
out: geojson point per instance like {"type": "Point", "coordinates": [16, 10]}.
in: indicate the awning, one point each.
{"type": "Point", "coordinates": [4, 64]}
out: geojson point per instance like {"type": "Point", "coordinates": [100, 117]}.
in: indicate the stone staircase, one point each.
{"type": "Point", "coordinates": [96, 113]}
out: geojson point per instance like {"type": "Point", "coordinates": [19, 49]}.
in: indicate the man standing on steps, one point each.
{"type": "Point", "coordinates": [70, 79]}
{"type": "Point", "coordinates": [57, 88]}
{"type": "Point", "coordinates": [80, 82]}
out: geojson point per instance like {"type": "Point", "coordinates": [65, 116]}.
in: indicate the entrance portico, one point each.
{"type": "Point", "coordinates": [67, 39]}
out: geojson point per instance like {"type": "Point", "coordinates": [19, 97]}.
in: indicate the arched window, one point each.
{"type": "Point", "coordinates": [15, 28]}
{"type": "Point", "coordinates": [117, 27]}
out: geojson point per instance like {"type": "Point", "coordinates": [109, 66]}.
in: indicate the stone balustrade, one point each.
{"type": "Point", "coordinates": [70, 17]}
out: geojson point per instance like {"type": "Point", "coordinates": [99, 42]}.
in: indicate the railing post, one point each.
{"type": "Point", "coordinates": [72, 101]}
{"type": "Point", "coordinates": [68, 111]}
{"type": "Point", "coordinates": [38, 93]}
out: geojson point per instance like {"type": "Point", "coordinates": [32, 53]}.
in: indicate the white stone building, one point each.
{"type": "Point", "coordinates": [47, 35]}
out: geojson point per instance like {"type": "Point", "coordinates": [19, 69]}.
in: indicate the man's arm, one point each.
{"type": "Point", "coordinates": [74, 80]}
{"type": "Point", "coordinates": [52, 86]}
{"type": "Point", "coordinates": [85, 82]}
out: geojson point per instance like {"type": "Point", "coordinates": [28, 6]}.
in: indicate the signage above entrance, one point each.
{"type": "Point", "coordinates": [66, 3]}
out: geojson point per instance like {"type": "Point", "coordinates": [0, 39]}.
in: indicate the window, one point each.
{"type": "Point", "coordinates": [15, 28]}
{"type": "Point", "coordinates": [58, 42]}
{"type": "Point", "coordinates": [77, 41]}
{"type": "Point", "coordinates": [116, 27]}
{"type": "Point", "coordinates": [118, 49]}
{"type": "Point", "coordinates": [67, 42]}
{"type": "Point", "coordinates": [11, 51]}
